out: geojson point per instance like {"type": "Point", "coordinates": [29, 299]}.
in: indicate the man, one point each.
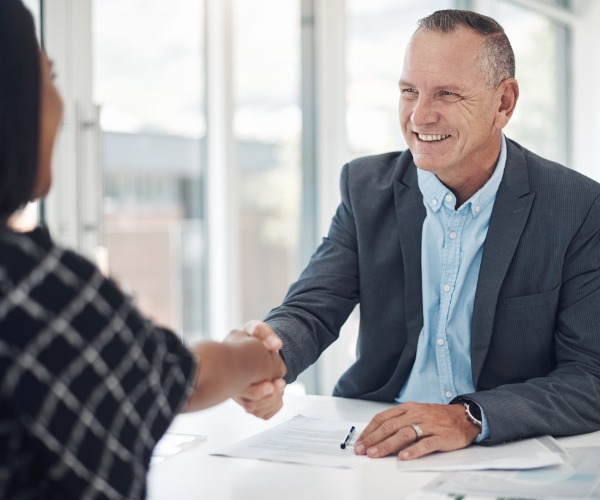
{"type": "Point", "coordinates": [475, 262]}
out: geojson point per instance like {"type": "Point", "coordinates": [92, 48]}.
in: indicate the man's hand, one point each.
{"type": "Point", "coordinates": [264, 399]}
{"type": "Point", "coordinates": [444, 427]}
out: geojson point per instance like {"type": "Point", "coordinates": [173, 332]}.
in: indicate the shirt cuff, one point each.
{"type": "Point", "coordinates": [485, 429]}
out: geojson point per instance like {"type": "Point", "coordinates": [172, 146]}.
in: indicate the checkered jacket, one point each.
{"type": "Point", "coordinates": [87, 385]}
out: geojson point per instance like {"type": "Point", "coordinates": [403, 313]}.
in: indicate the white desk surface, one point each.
{"type": "Point", "coordinates": [194, 474]}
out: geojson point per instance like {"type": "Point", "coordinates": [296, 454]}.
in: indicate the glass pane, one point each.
{"type": "Point", "coordinates": [540, 121]}
{"type": "Point", "coordinates": [148, 78]}
{"type": "Point", "coordinates": [267, 125]}
{"type": "Point", "coordinates": [378, 32]}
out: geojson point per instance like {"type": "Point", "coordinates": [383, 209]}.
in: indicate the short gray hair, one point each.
{"type": "Point", "coordinates": [497, 60]}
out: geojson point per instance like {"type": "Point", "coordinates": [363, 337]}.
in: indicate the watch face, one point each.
{"type": "Point", "coordinates": [475, 411]}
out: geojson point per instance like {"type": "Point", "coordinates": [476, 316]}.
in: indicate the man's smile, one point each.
{"type": "Point", "coordinates": [432, 138]}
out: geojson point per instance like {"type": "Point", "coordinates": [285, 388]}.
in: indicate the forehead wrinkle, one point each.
{"type": "Point", "coordinates": [453, 87]}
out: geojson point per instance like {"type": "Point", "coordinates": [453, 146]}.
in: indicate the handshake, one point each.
{"type": "Point", "coordinates": [245, 366]}
{"type": "Point", "coordinates": [263, 398]}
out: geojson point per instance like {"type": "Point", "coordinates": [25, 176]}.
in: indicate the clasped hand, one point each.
{"type": "Point", "coordinates": [443, 427]}
{"type": "Point", "coordinates": [263, 399]}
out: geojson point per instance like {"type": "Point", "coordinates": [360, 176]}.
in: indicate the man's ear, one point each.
{"type": "Point", "coordinates": [508, 95]}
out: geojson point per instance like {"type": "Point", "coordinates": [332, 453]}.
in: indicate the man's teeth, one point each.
{"type": "Point", "coordinates": [429, 138]}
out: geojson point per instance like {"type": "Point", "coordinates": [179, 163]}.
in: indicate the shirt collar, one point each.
{"type": "Point", "coordinates": [435, 194]}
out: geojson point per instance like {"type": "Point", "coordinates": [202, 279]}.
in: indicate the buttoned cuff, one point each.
{"type": "Point", "coordinates": [485, 429]}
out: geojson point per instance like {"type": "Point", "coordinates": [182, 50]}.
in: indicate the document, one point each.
{"type": "Point", "coordinates": [303, 440]}
{"type": "Point", "coordinates": [526, 454]}
{"type": "Point", "coordinates": [577, 478]}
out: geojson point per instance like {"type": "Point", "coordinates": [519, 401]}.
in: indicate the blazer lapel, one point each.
{"type": "Point", "coordinates": [410, 214]}
{"type": "Point", "coordinates": [511, 210]}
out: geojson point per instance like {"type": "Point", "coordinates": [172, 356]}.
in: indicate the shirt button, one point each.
{"type": "Point", "coordinates": [449, 394]}
{"type": "Point", "coordinates": [446, 288]}
{"type": "Point", "coordinates": [477, 209]}
{"type": "Point", "coordinates": [449, 198]}
{"type": "Point", "coordinates": [440, 341]}
{"type": "Point", "coordinates": [452, 235]}
{"type": "Point", "coordinates": [434, 202]}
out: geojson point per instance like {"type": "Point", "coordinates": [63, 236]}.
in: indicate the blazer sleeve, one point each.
{"type": "Point", "coordinates": [317, 305]}
{"type": "Point", "coordinates": [567, 400]}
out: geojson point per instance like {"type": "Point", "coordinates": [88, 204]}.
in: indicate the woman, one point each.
{"type": "Point", "coordinates": [87, 384]}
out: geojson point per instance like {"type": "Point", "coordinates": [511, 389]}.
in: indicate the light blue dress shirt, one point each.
{"type": "Point", "coordinates": [451, 250]}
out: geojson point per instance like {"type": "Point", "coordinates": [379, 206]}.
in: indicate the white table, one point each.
{"type": "Point", "coordinates": [194, 474]}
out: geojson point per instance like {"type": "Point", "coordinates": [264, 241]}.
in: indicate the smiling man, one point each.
{"type": "Point", "coordinates": [475, 262]}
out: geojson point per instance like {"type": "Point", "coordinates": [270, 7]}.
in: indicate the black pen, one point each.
{"type": "Point", "coordinates": [350, 432]}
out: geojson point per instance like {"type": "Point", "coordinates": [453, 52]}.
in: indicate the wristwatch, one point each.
{"type": "Point", "coordinates": [472, 410]}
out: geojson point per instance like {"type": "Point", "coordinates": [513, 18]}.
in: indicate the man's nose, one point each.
{"type": "Point", "coordinates": [423, 112]}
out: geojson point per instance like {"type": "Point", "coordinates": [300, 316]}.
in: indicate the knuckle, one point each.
{"type": "Point", "coordinates": [407, 434]}
{"type": "Point", "coordinates": [379, 419]}
{"type": "Point", "coordinates": [389, 427]}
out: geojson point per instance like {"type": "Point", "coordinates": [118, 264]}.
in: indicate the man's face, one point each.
{"type": "Point", "coordinates": [447, 114]}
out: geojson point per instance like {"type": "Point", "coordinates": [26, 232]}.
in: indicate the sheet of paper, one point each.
{"type": "Point", "coordinates": [173, 443]}
{"type": "Point", "coordinates": [525, 454]}
{"type": "Point", "coordinates": [302, 440]}
{"type": "Point", "coordinates": [577, 478]}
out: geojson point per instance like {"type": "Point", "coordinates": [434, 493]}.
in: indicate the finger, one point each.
{"type": "Point", "coordinates": [256, 392]}
{"type": "Point", "coordinates": [263, 332]}
{"type": "Point", "coordinates": [251, 326]}
{"type": "Point", "coordinates": [269, 406]}
{"type": "Point", "coordinates": [424, 446]}
{"type": "Point", "coordinates": [279, 385]}
{"type": "Point", "coordinates": [381, 419]}
{"type": "Point", "coordinates": [264, 407]}
{"type": "Point", "coordinates": [236, 336]}
{"type": "Point", "coordinates": [386, 441]}
{"type": "Point", "coordinates": [276, 400]}
{"type": "Point", "coordinates": [257, 407]}
{"type": "Point", "coordinates": [268, 411]}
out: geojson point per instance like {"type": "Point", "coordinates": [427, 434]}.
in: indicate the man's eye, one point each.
{"type": "Point", "coordinates": [449, 95]}
{"type": "Point", "coordinates": [409, 92]}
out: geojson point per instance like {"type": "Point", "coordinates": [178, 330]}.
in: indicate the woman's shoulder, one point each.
{"type": "Point", "coordinates": [24, 253]}
{"type": "Point", "coordinates": [36, 271]}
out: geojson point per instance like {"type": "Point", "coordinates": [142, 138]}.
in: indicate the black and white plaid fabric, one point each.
{"type": "Point", "coordinates": [87, 386]}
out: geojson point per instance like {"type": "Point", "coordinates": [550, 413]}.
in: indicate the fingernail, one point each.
{"type": "Point", "coordinates": [404, 455]}
{"type": "Point", "coordinates": [372, 451]}
{"type": "Point", "coordinates": [273, 341]}
{"type": "Point", "coordinates": [268, 390]}
{"type": "Point", "coordinates": [251, 327]}
{"type": "Point", "coordinates": [359, 448]}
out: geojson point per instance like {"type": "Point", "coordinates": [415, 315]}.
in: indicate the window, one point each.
{"type": "Point", "coordinates": [267, 127]}
{"type": "Point", "coordinates": [150, 88]}
{"type": "Point", "coordinates": [541, 121]}
{"type": "Point", "coordinates": [378, 33]}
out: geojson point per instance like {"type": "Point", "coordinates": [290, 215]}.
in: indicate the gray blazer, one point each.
{"type": "Point", "coordinates": [535, 346]}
